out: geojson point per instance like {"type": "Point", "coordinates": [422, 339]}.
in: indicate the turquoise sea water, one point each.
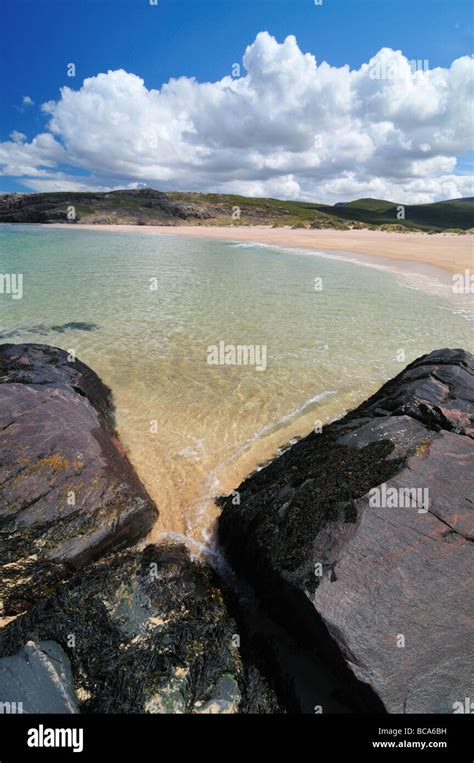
{"type": "Point", "coordinates": [193, 429]}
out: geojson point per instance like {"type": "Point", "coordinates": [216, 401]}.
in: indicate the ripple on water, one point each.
{"type": "Point", "coordinates": [193, 430]}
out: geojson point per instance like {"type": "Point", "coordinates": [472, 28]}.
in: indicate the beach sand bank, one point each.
{"type": "Point", "coordinates": [445, 251]}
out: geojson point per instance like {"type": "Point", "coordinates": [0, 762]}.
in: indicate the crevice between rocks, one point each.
{"type": "Point", "coordinates": [289, 643]}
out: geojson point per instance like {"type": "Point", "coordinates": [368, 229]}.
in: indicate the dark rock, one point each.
{"type": "Point", "coordinates": [37, 680]}
{"type": "Point", "coordinates": [67, 490]}
{"type": "Point", "coordinates": [146, 632]}
{"type": "Point", "coordinates": [378, 590]}
{"type": "Point", "coordinates": [436, 389]}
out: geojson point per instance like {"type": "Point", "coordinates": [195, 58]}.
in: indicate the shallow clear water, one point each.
{"type": "Point", "coordinates": [326, 350]}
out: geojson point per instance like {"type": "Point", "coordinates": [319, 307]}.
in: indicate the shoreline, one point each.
{"type": "Point", "coordinates": [446, 253]}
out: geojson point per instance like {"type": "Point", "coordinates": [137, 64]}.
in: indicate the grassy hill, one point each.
{"type": "Point", "coordinates": [151, 207]}
{"type": "Point", "coordinates": [441, 215]}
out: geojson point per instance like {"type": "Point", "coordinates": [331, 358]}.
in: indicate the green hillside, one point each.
{"type": "Point", "coordinates": [148, 206]}
{"type": "Point", "coordinates": [441, 215]}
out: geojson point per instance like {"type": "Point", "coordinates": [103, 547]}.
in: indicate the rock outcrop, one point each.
{"type": "Point", "coordinates": [68, 493]}
{"type": "Point", "coordinates": [135, 206]}
{"type": "Point", "coordinates": [145, 632]}
{"type": "Point", "coordinates": [358, 542]}
{"type": "Point", "coordinates": [37, 680]}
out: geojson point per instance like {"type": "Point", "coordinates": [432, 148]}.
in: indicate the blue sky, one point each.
{"type": "Point", "coordinates": [201, 39]}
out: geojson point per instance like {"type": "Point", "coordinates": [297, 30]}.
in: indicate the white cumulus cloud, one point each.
{"type": "Point", "coordinates": [289, 127]}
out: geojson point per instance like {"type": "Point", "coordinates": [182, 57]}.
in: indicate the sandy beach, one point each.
{"type": "Point", "coordinates": [444, 251]}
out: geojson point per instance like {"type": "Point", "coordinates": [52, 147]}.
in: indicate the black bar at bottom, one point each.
{"type": "Point", "coordinates": [137, 737]}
